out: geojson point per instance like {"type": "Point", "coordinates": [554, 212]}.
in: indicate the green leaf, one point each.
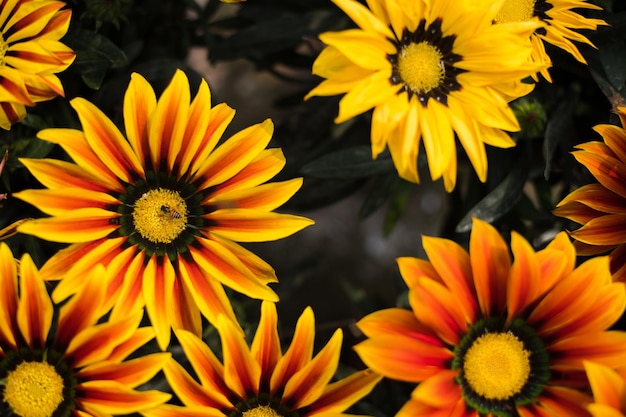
{"type": "Point", "coordinates": [353, 162]}
{"type": "Point", "coordinates": [379, 191]}
{"type": "Point", "coordinates": [397, 206]}
{"type": "Point", "coordinates": [613, 58]}
{"type": "Point", "coordinates": [557, 129]}
{"type": "Point", "coordinates": [499, 201]}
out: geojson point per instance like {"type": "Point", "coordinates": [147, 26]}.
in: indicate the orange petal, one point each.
{"type": "Point", "coordinates": [242, 373]}
{"type": "Point", "coordinates": [206, 365]}
{"type": "Point", "coordinates": [298, 354]}
{"type": "Point", "coordinates": [107, 142]}
{"type": "Point", "coordinates": [264, 167]}
{"type": "Point", "coordinates": [190, 392]}
{"type": "Point", "coordinates": [251, 225]}
{"type": "Point", "coordinates": [139, 103]}
{"type": "Point", "coordinates": [397, 322]}
{"type": "Point", "coordinates": [34, 310]}
{"type": "Point", "coordinates": [606, 348]}
{"type": "Point", "coordinates": [437, 308]}
{"type": "Point", "coordinates": [56, 174]}
{"type": "Point", "coordinates": [8, 297]}
{"type": "Point", "coordinates": [131, 373]}
{"type": "Point", "coordinates": [157, 285]}
{"type": "Point", "coordinates": [265, 347]}
{"type": "Point", "coordinates": [81, 225]}
{"type": "Point", "coordinates": [109, 397]}
{"type": "Point", "coordinates": [490, 267]}
{"type": "Point", "coordinates": [169, 410]}
{"type": "Point", "coordinates": [61, 201]}
{"type": "Point", "coordinates": [403, 358]}
{"type": "Point", "coordinates": [263, 197]}
{"type": "Point", "coordinates": [340, 395]}
{"type": "Point", "coordinates": [564, 401]}
{"type": "Point", "coordinates": [525, 277]}
{"type": "Point", "coordinates": [308, 383]}
{"type": "Point", "coordinates": [608, 170]}
{"type": "Point", "coordinates": [608, 387]}
{"type": "Point", "coordinates": [604, 230]}
{"type": "Point", "coordinates": [598, 198]}
{"type": "Point", "coordinates": [452, 264]}
{"type": "Point", "coordinates": [166, 124]}
{"type": "Point", "coordinates": [614, 137]}
{"type": "Point", "coordinates": [412, 269]}
{"type": "Point", "coordinates": [141, 337]}
{"type": "Point", "coordinates": [207, 293]}
{"type": "Point", "coordinates": [439, 390]}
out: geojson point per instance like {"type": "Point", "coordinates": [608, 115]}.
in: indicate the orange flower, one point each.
{"type": "Point", "coordinates": [75, 366]}
{"type": "Point", "coordinates": [601, 207]}
{"type": "Point", "coordinates": [31, 55]}
{"type": "Point", "coordinates": [609, 390]}
{"type": "Point", "coordinates": [163, 206]}
{"type": "Point", "coordinates": [261, 381]}
{"type": "Point", "coordinates": [492, 336]}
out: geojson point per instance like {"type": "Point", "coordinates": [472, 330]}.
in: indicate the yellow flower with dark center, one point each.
{"type": "Point", "coordinates": [491, 335]}
{"type": "Point", "coordinates": [163, 206]}
{"type": "Point", "coordinates": [30, 55]}
{"type": "Point", "coordinates": [609, 390]}
{"type": "Point", "coordinates": [601, 207]}
{"type": "Point", "coordinates": [430, 71]}
{"type": "Point", "coordinates": [67, 360]}
{"type": "Point", "coordinates": [260, 380]}
{"type": "Point", "coordinates": [560, 25]}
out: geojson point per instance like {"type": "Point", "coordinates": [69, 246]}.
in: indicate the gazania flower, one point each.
{"type": "Point", "coordinates": [261, 381]}
{"type": "Point", "coordinates": [601, 207]}
{"type": "Point", "coordinates": [609, 390]}
{"type": "Point", "coordinates": [560, 23]}
{"type": "Point", "coordinates": [62, 361]}
{"type": "Point", "coordinates": [163, 206]}
{"type": "Point", "coordinates": [493, 336]}
{"type": "Point", "coordinates": [31, 55]}
{"type": "Point", "coordinates": [429, 70]}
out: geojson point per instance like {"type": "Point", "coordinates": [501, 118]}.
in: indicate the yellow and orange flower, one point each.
{"type": "Point", "coordinates": [163, 206]}
{"type": "Point", "coordinates": [560, 25]}
{"type": "Point", "coordinates": [261, 381]}
{"type": "Point", "coordinates": [64, 361]}
{"type": "Point", "coordinates": [493, 336]}
{"type": "Point", "coordinates": [31, 54]}
{"type": "Point", "coordinates": [609, 390]}
{"type": "Point", "coordinates": [431, 71]}
{"type": "Point", "coordinates": [601, 208]}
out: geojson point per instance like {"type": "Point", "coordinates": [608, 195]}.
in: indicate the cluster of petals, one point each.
{"type": "Point", "coordinates": [31, 54]}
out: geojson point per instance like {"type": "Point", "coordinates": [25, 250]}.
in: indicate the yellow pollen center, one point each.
{"type": "Point", "coordinates": [160, 215]}
{"type": "Point", "coordinates": [420, 67]}
{"type": "Point", "coordinates": [496, 366]}
{"type": "Point", "coordinates": [516, 11]}
{"type": "Point", "coordinates": [261, 411]}
{"type": "Point", "coordinates": [33, 389]}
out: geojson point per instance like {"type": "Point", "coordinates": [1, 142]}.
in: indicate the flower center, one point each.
{"type": "Point", "coordinates": [160, 215]}
{"type": "Point", "coordinates": [33, 389]}
{"type": "Point", "coordinates": [261, 411]}
{"type": "Point", "coordinates": [497, 366]}
{"type": "Point", "coordinates": [420, 66]}
{"type": "Point", "coordinates": [516, 11]}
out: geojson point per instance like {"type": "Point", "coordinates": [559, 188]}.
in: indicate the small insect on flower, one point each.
{"type": "Point", "coordinates": [171, 212]}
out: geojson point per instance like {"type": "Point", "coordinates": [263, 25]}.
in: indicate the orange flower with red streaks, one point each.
{"type": "Point", "coordinates": [30, 55]}
{"type": "Point", "coordinates": [162, 206]}
{"type": "Point", "coordinates": [491, 335]}
{"type": "Point", "coordinates": [66, 361]}
{"type": "Point", "coordinates": [601, 207]}
{"type": "Point", "coordinates": [259, 380]}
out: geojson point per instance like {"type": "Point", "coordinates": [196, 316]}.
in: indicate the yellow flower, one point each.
{"type": "Point", "coordinates": [601, 207]}
{"type": "Point", "coordinates": [76, 366]}
{"type": "Point", "coordinates": [259, 380]}
{"type": "Point", "coordinates": [30, 55]}
{"type": "Point", "coordinates": [558, 18]}
{"type": "Point", "coordinates": [488, 335]}
{"type": "Point", "coordinates": [609, 390]}
{"type": "Point", "coordinates": [429, 70]}
{"type": "Point", "coordinates": [163, 206]}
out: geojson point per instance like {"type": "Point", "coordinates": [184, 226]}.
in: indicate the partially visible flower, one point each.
{"type": "Point", "coordinates": [63, 361]}
{"type": "Point", "coordinates": [430, 70]}
{"type": "Point", "coordinates": [560, 25]}
{"type": "Point", "coordinates": [259, 380]}
{"type": "Point", "coordinates": [488, 335]}
{"type": "Point", "coordinates": [601, 207]}
{"type": "Point", "coordinates": [163, 206]}
{"type": "Point", "coordinates": [30, 55]}
{"type": "Point", "coordinates": [609, 390]}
